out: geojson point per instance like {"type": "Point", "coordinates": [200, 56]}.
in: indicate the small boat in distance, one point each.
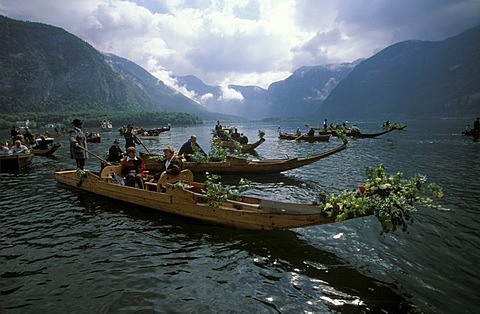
{"type": "Point", "coordinates": [106, 125]}
{"type": "Point", "coordinates": [45, 146]}
{"type": "Point", "coordinates": [93, 137]}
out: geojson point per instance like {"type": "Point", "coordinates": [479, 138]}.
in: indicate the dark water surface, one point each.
{"type": "Point", "coordinates": [67, 251]}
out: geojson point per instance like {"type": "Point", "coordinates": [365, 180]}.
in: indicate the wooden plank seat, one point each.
{"type": "Point", "coordinates": [166, 178]}
{"type": "Point", "coordinates": [109, 170]}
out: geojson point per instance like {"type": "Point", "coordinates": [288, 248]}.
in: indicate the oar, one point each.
{"type": "Point", "coordinates": [94, 155]}
{"type": "Point", "coordinates": [141, 143]}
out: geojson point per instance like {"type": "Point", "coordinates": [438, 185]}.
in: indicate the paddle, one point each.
{"type": "Point", "coordinates": [94, 155]}
{"type": "Point", "coordinates": [141, 143]}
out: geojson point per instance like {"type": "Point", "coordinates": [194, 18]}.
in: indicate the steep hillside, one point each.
{"type": "Point", "coordinates": [46, 69]}
{"type": "Point", "coordinates": [412, 79]}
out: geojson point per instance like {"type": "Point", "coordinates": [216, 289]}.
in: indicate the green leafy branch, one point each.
{"type": "Point", "coordinates": [392, 199]}
{"type": "Point", "coordinates": [217, 193]}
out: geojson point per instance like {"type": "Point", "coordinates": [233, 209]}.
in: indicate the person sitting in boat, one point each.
{"type": "Point", "coordinates": [311, 132]}
{"type": "Point", "coordinates": [236, 135]}
{"type": "Point", "coordinates": [41, 143]}
{"type": "Point", "coordinates": [298, 133]}
{"type": "Point", "coordinates": [132, 168]}
{"type": "Point", "coordinates": [19, 148]}
{"type": "Point", "coordinates": [4, 150]}
{"type": "Point", "coordinates": [243, 139]}
{"type": "Point", "coordinates": [189, 147]}
{"type": "Point", "coordinates": [115, 153]}
{"type": "Point", "coordinates": [171, 164]}
{"type": "Point", "coordinates": [476, 125]}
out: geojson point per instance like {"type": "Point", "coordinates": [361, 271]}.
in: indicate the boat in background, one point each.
{"type": "Point", "coordinates": [93, 137]}
{"type": "Point", "coordinates": [106, 125]}
{"type": "Point", "coordinates": [232, 144]}
{"type": "Point", "coordinates": [45, 146]}
{"type": "Point", "coordinates": [304, 137]}
{"type": "Point", "coordinates": [243, 166]}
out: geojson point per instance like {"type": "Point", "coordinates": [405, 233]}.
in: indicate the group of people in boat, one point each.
{"type": "Point", "coordinates": [229, 133]}
{"type": "Point", "coordinates": [21, 142]}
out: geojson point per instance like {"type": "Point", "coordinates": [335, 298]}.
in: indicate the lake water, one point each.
{"type": "Point", "coordinates": [65, 251]}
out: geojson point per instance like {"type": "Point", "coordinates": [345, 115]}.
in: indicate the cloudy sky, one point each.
{"type": "Point", "coordinates": [246, 42]}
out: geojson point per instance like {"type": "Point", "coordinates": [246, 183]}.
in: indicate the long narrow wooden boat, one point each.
{"type": "Point", "coordinates": [48, 151]}
{"type": "Point", "coordinates": [304, 137]}
{"type": "Point", "coordinates": [14, 163]}
{"type": "Point", "coordinates": [189, 201]}
{"type": "Point", "coordinates": [244, 166]}
{"type": "Point", "coordinates": [232, 144]}
{"type": "Point", "coordinates": [371, 135]}
{"type": "Point", "coordinates": [148, 137]}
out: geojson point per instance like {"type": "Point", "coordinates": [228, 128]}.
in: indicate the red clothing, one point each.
{"type": "Point", "coordinates": [129, 164]}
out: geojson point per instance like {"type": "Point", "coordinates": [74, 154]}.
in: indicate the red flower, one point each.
{"type": "Point", "coordinates": [361, 188]}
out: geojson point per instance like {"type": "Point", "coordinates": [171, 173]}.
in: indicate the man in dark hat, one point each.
{"type": "Point", "coordinates": [78, 144]}
{"type": "Point", "coordinates": [115, 154]}
{"type": "Point", "coordinates": [130, 137]}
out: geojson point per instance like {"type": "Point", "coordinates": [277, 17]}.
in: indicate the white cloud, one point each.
{"type": "Point", "coordinates": [246, 42]}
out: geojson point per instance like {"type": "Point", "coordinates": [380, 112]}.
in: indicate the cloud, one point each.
{"type": "Point", "coordinates": [246, 42]}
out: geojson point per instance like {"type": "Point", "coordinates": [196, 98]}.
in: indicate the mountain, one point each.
{"type": "Point", "coordinates": [297, 96]}
{"type": "Point", "coordinates": [412, 79]}
{"type": "Point", "coordinates": [46, 69]}
{"type": "Point", "coordinates": [304, 91]}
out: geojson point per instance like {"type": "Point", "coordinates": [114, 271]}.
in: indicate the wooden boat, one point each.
{"type": "Point", "coordinates": [304, 137]}
{"type": "Point", "coordinates": [148, 137]}
{"type": "Point", "coordinates": [243, 166]}
{"type": "Point", "coordinates": [47, 151]}
{"type": "Point", "coordinates": [189, 201]}
{"type": "Point", "coordinates": [371, 135]}
{"type": "Point", "coordinates": [232, 144]}
{"type": "Point", "coordinates": [14, 163]}
{"type": "Point", "coordinates": [94, 138]}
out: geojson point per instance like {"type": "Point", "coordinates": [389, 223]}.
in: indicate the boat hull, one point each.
{"type": "Point", "coordinates": [232, 144]}
{"type": "Point", "coordinates": [306, 138]}
{"type": "Point", "coordinates": [250, 213]}
{"type": "Point", "coordinates": [243, 166]}
{"type": "Point", "coordinates": [52, 148]}
{"type": "Point", "coordinates": [14, 163]}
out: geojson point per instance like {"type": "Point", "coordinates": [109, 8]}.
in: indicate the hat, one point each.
{"type": "Point", "coordinates": [77, 122]}
{"type": "Point", "coordinates": [169, 148]}
{"type": "Point", "coordinates": [116, 141]}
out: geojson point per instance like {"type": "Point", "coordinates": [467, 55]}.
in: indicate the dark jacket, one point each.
{"type": "Point", "coordinates": [187, 150]}
{"type": "Point", "coordinates": [115, 154]}
{"type": "Point", "coordinates": [174, 168]}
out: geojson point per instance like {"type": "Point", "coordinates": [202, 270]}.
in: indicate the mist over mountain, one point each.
{"type": "Point", "coordinates": [298, 96]}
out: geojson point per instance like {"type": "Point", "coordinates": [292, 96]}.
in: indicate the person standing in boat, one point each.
{"type": "Point", "coordinates": [115, 153]}
{"type": "Point", "coordinates": [78, 144]}
{"type": "Point", "coordinates": [189, 147]}
{"type": "Point", "coordinates": [130, 137]}
{"type": "Point", "coordinates": [133, 168]}
{"type": "Point", "coordinates": [171, 164]}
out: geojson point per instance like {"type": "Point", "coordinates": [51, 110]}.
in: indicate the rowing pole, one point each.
{"type": "Point", "coordinates": [94, 155]}
{"type": "Point", "coordinates": [141, 143]}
